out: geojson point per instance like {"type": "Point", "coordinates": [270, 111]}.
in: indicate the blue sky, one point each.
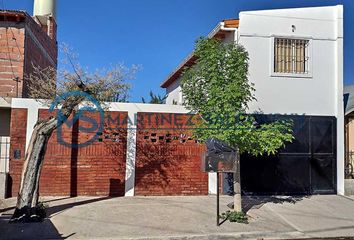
{"type": "Point", "coordinates": [158, 34]}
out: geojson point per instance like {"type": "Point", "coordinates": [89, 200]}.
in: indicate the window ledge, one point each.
{"type": "Point", "coordinates": [292, 75]}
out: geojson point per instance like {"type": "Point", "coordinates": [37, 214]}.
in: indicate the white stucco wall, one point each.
{"type": "Point", "coordinates": [314, 95]}
{"type": "Point", "coordinates": [174, 93]}
{"type": "Point", "coordinates": [317, 94]}
{"type": "Point", "coordinates": [321, 93]}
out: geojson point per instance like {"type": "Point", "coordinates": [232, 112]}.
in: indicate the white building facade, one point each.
{"type": "Point", "coordinates": [296, 64]}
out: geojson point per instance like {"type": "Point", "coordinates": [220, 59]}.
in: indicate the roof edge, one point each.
{"type": "Point", "coordinates": [13, 13]}
{"type": "Point", "coordinates": [190, 59]}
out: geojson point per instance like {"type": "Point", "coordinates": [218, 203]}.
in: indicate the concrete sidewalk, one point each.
{"type": "Point", "coordinates": [184, 218]}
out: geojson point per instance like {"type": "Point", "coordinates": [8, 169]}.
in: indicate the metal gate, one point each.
{"type": "Point", "coordinates": [4, 165]}
{"type": "Point", "coordinates": [305, 166]}
{"type": "Point", "coordinates": [4, 154]}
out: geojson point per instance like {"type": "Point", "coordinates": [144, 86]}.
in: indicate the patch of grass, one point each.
{"type": "Point", "coordinates": [233, 216]}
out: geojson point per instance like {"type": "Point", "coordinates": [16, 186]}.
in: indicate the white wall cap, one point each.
{"type": "Point", "coordinates": [115, 106]}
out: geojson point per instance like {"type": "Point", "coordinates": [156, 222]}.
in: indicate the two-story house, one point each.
{"type": "Point", "coordinates": [296, 65]}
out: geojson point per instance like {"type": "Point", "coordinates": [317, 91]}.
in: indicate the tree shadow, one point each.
{"type": "Point", "coordinates": [167, 164]}
{"type": "Point", "coordinates": [113, 141]}
{"type": "Point", "coordinates": [40, 230]}
{"type": "Point", "coordinates": [163, 159]}
{"type": "Point", "coordinates": [74, 158]}
{"type": "Point", "coordinates": [54, 210]}
{"type": "Point", "coordinates": [47, 201]}
{"type": "Point", "coordinates": [154, 162]}
{"type": "Point", "coordinates": [256, 202]}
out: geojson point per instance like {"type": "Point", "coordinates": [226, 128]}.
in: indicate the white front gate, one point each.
{"type": "Point", "coordinates": [4, 164]}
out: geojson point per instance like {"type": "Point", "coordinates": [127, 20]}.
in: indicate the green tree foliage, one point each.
{"type": "Point", "coordinates": [218, 90]}
{"type": "Point", "coordinates": [155, 99]}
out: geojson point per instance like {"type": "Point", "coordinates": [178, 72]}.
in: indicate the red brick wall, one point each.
{"type": "Point", "coordinates": [40, 48]}
{"type": "Point", "coordinates": [19, 50]}
{"type": "Point", "coordinates": [95, 170]}
{"type": "Point", "coordinates": [18, 128]}
{"type": "Point", "coordinates": [168, 158]}
{"type": "Point", "coordinates": [48, 44]}
{"type": "Point", "coordinates": [11, 60]}
{"type": "Point", "coordinates": [52, 29]}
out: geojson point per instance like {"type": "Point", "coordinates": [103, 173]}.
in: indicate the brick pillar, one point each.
{"type": "Point", "coordinates": [17, 149]}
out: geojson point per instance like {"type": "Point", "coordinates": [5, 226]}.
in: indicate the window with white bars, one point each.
{"type": "Point", "coordinates": [291, 56]}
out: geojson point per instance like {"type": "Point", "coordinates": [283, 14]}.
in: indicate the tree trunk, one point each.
{"type": "Point", "coordinates": [27, 199]}
{"type": "Point", "coordinates": [28, 195]}
{"type": "Point", "coordinates": [237, 187]}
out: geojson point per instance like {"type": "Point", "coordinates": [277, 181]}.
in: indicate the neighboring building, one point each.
{"type": "Point", "coordinates": [25, 41]}
{"type": "Point", "coordinates": [349, 139]}
{"type": "Point", "coordinates": [296, 64]}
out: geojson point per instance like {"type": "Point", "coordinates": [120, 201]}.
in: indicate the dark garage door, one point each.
{"type": "Point", "coordinates": [305, 166]}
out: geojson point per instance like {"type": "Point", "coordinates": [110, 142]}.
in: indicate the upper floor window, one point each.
{"type": "Point", "coordinates": [291, 56]}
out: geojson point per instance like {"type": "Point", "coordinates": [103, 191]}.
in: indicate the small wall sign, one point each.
{"type": "Point", "coordinates": [17, 154]}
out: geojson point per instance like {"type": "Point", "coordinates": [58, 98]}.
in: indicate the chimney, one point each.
{"type": "Point", "coordinates": [44, 13]}
{"type": "Point", "coordinates": [45, 8]}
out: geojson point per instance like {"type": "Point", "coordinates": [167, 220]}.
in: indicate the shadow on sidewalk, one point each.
{"type": "Point", "coordinates": [54, 210]}
{"type": "Point", "coordinates": [256, 202]}
{"type": "Point", "coordinates": [3, 210]}
{"type": "Point", "coordinates": [42, 230]}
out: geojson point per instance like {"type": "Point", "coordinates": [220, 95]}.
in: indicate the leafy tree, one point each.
{"type": "Point", "coordinates": [49, 85]}
{"type": "Point", "coordinates": [155, 99]}
{"type": "Point", "coordinates": [217, 89]}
